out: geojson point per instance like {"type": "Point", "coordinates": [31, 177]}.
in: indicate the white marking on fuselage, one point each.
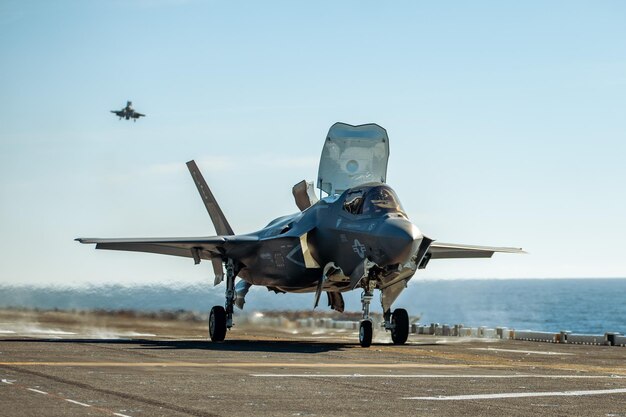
{"type": "Point", "coordinates": [359, 248]}
{"type": "Point", "coordinates": [290, 256]}
{"type": "Point", "coordinates": [521, 395]}
{"type": "Point", "coordinates": [535, 352]}
{"type": "Point", "coordinates": [438, 376]}
{"type": "Point", "coordinates": [77, 402]}
{"type": "Point", "coordinates": [37, 391]}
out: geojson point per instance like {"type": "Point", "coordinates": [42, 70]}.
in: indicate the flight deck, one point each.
{"type": "Point", "coordinates": [64, 364]}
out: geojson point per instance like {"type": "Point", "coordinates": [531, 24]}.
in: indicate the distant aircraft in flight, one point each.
{"type": "Point", "coordinates": [128, 112]}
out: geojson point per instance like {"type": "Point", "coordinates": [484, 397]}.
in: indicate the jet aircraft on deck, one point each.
{"type": "Point", "coordinates": [357, 237]}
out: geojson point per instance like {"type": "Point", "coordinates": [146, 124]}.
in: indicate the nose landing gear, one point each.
{"type": "Point", "coordinates": [365, 328]}
{"type": "Point", "coordinates": [397, 322]}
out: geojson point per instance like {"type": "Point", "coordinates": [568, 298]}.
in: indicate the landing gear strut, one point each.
{"type": "Point", "coordinates": [221, 318]}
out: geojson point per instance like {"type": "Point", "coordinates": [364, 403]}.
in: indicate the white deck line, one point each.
{"type": "Point", "coordinates": [77, 402]}
{"type": "Point", "coordinates": [120, 415]}
{"type": "Point", "coordinates": [437, 376]}
{"type": "Point", "coordinates": [37, 391]}
{"type": "Point", "coordinates": [535, 352]}
{"type": "Point", "coordinates": [520, 395]}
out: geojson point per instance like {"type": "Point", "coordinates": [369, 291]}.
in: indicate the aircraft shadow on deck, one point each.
{"type": "Point", "coordinates": [282, 346]}
{"type": "Point", "coordinates": [227, 346]}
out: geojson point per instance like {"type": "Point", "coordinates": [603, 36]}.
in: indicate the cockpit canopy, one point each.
{"type": "Point", "coordinates": [352, 156]}
{"type": "Point", "coordinates": [372, 201]}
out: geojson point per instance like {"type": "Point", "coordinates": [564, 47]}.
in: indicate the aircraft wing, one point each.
{"type": "Point", "coordinates": [138, 115]}
{"type": "Point", "coordinates": [440, 250]}
{"type": "Point", "coordinates": [189, 247]}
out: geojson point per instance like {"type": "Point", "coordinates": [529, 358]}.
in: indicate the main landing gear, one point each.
{"type": "Point", "coordinates": [221, 318]}
{"type": "Point", "coordinates": [400, 326]}
{"type": "Point", "coordinates": [217, 324]}
{"type": "Point", "coordinates": [397, 323]}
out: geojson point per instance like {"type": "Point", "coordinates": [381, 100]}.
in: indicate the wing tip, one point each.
{"type": "Point", "coordinates": [84, 240]}
{"type": "Point", "coordinates": [510, 250]}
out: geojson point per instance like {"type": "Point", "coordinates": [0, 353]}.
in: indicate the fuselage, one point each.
{"type": "Point", "coordinates": [363, 223]}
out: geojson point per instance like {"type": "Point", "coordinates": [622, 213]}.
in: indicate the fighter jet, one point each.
{"type": "Point", "coordinates": [356, 237]}
{"type": "Point", "coordinates": [128, 112]}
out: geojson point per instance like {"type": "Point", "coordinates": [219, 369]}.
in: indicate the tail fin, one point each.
{"type": "Point", "coordinates": [217, 216]}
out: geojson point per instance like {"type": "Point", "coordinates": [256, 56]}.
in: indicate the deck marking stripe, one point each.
{"type": "Point", "coordinates": [253, 365]}
{"type": "Point", "coordinates": [435, 376]}
{"type": "Point", "coordinates": [520, 395]}
{"type": "Point", "coordinates": [37, 391]}
{"type": "Point", "coordinates": [77, 402]}
{"type": "Point", "coordinates": [502, 365]}
{"type": "Point", "coordinates": [59, 398]}
{"type": "Point", "coordinates": [536, 352]}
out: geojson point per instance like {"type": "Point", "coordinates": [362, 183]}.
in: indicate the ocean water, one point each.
{"type": "Point", "coordinates": [579, 305]}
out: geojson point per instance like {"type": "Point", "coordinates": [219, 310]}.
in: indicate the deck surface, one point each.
{"type": "Point", "coordinates": [55, 364]}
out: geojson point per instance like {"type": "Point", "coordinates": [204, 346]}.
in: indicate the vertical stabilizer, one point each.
{"type": "Point", "coordinates": [217, 216]}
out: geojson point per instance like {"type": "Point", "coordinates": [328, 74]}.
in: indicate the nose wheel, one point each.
{"type": "Point", "coordinates": [365, 333]}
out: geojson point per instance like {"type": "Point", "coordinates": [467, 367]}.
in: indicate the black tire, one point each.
{"type": "Point", "coordinates": [365, 333]}
{"type": "Point", "coordinates": [400, 331]}
{"type": "Point", "coordinates": [217, 324]}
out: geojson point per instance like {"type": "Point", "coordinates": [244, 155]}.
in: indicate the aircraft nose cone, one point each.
{"type": "Point", "coordinates": [397, 239]}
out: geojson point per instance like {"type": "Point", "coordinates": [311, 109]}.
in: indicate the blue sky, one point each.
{"type": "Point", "coordinates": [506, 124]}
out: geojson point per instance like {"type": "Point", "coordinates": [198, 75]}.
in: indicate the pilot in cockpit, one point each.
{"type": "Point", "coordinates": [381, 200]}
